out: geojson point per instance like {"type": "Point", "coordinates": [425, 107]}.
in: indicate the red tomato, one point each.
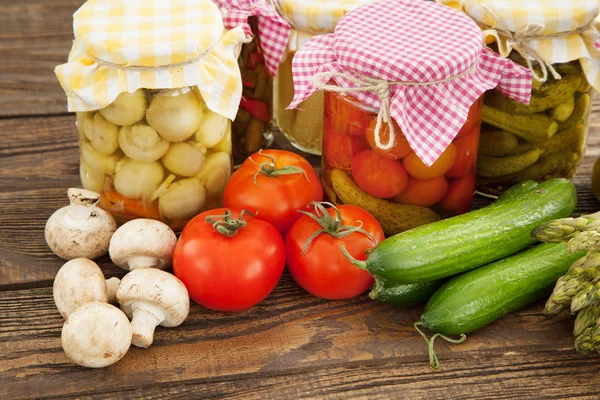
{"type": "Point", "coordinates": [459, 197]}
{"type": "Point", "coordinates": [378, 176]}
{"type": "Point", "coordinates": [417, 168]}
{"type": "Point", "coordinates": [400, 149]}
{"type": "Point", "coordinates": [229, 273]}
{"type": "Point", "coordinates": [276, 198]}
{"type": "Point", "coordinates": [474, 118]}
{"type": "Point", "coordinates": [323, 270]}
{"type": "Point", "coordinates": [339, 148]}
{"type": "Point", "coordinates": [466, 154]}
{"type": "Point", "coordinates": [423, 192]}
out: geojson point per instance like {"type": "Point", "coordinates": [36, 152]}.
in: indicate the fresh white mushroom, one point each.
{"type": "Point", "coordinates": [184, 158]}
{"type": "Point", "coordinates": [175, 114]}
{"type": "Point", "coordinates": [215, 172]}
{"type": "Point", "coordinates": [141, 142]}
{"type": "Point", "coordinates": [151, 297]}
{"type": "Point", "coordinates": [80, 281]}
{"type": "Point", "coordinates": [127, 108]}
{"type": "Point", "coordinates": [138, 180]}
{"type": "Point", "coordinates": [102, 134]}
{"type": "Point", "coordinates": [81, 229]}
{"type": "Point", "coordinates": [182, 199]}
{"type": "Point", "coordinates": [96, 161]}
{"type": "Point", "coordinates": [96, 335]}
{"type": "Point", "coordinates": [143, 243]}
{"type": "Point", "coordinates": [212, 128]}
{"type": "Point", "coordinates": [82, 118]}
{"type": "Point", "coordinates": [90, 178]}
{"type": "Point", "coordinates": [225, 143]}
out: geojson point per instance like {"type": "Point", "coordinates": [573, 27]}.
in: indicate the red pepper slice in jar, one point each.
{"type": "Point", "coordinates": [257, 108]}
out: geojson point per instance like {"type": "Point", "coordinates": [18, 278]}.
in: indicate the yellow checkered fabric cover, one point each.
{"type": "Point", "coordinates": [318, 16]}
{"type": "Point", "coordinates": [555, 16]}
{"type": "Point", "coordinates": [123, 45]}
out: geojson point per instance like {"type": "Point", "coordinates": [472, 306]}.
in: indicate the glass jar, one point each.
{"type": "Point", "coordinates": [159, 154]}
{"type": "Point", "coordinates": [252, 128]}
{"type": "Point", "coordinates": [356, 171]}
{"type": "Point", "coordinates": [302, 126]}
{"type": "Point", "coordinates": [543, 140]}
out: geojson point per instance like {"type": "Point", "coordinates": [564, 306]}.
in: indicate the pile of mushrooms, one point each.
{"type": "Point", "coordinates": [97, 334]}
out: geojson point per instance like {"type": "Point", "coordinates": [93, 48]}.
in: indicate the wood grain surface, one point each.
{"type": "Point", "coordinates": [292, 345]}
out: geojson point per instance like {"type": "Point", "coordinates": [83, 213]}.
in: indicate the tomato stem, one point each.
{"type": "Point", "coordinates": [331, 226]}
{"type": "Point", "coordinates": [267, 168]}
{"type": "Point", "coordinates": [227, 225]}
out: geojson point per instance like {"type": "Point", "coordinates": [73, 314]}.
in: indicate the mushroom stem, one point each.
{"type": "Point", "coordinates": [144, 262]}
{"type": "Point", "coordinates": [146, 318]}
{"type": "Point", "coordinates": [111, 289]}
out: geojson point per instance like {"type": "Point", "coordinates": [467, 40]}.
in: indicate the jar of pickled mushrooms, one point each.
{"type": "Point", "coordinates": [547, 137]}
{"type": "Point", "coordinates": [154, 111]}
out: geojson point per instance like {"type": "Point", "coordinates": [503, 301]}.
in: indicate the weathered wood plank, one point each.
{"type": "Point", "coordinates": [294, 343]}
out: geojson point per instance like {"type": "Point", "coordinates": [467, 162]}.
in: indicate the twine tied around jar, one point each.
{"type": "Point", "coordinates": [519, 41]}
{"type": "Point", "coordinates": [382, 88]}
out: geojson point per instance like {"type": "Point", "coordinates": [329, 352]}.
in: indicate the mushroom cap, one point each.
{"type": "Point", "coordinates": [146, 241]}
{"type": "Point", "coordinates": [96, 335]}
{"type": "Point", "coordinates": [158, 289]}
{"type": "Point", "coordinates": [80, 230]}
{"type": "Point", "coordinates": [77, 282]}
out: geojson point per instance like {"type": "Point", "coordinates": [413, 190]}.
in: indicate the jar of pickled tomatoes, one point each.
{"type": "Point", "coordinates": [402, 116]}
{"type": "Point", "coordinates": [355, 169]}
{"type": "Point", "coordinates": [154, 121]}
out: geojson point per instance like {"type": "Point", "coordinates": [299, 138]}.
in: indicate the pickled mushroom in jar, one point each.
{"type": "Point", "coordinates": [102, 133]}
{"type": "Point", "coordinates": [138, 180]}
{"type": "Point", "coordinates": [184, 158]}
{"type": "Point", "coordinates": [127, 109]}
{"type": "Point", "coordinates": [96, 161]}
{"type": "Point", "coordinates": [176, 114]}
{"type": "Point", "coordinates": [215, 172]}
{"type": "Point", "coordinates": [212, 129]}
{"type": "Point", "coordinates": [141, 142]}
{"type": "Point", "coordinates": [182, 199]}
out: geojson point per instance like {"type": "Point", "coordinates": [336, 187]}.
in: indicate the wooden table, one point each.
{"type": "Point", "coordinates": [289, 346]}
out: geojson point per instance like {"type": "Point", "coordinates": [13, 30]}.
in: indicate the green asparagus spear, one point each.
{"type": "Point", "coordinates": [584, 343]}
{"type": "Point", "coordinates": [586, 318]}
{"type": "Point", "coordinates": [586, 240]}
{"type": "Point", "coordinates": [589, 294]}
{"type": "Point", "coordinates": [567, 287]}
{"type": "Point", "coordinates": [564, 229]}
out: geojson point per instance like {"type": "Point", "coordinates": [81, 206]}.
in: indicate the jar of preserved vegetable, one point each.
{"type": "Point", "coordinates": [545, 138]}
{"type": "Point", "coordinates": [259, 58]}
{"type": "Point", "coordinates": [153, 110]}
{"type": "Point", "coordinates": [403, 108]}
{"type": "Point", "coordinates": [303, 126]}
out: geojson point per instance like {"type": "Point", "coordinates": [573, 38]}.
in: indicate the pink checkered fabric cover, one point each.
{"type": "Point", "coordinates": [273, 30]}
{"type": "Point", "coordinates": [412, 41]}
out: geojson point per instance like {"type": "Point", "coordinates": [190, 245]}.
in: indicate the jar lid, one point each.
{"type": "Point", "coordinates": [124, 45]}
{"type": "Point", "coordinates": [558, 32]}
{"type": "Point", "coordinates": [418, 62]}
{"type": "Point", "coordinates": [318, 17]}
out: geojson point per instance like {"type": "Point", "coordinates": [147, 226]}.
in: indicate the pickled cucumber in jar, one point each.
{"type": "Point", "coordinates": [159, 154]}
{"type": "Point", "coordinates": [542, 140]}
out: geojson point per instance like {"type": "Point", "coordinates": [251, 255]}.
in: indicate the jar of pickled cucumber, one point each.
{"type": "Point", "coordinates": [252, 128]}
{"type": "Point", "coordinates": [154, 131]}
{"type": "Point", "coordinates": [547, 137]}
{"type": "Point", "coordinates": [303, 126]}
{"type": "Point", "coordinates": [399, 142]}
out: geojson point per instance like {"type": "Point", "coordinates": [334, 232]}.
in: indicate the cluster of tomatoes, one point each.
{"type": "Point", "coordinates": [231, 258]}
{"type": "Point", "coordinates": [397, 173]}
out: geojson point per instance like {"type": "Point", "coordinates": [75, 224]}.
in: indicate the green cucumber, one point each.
{"type": "Point", "coordinates": [449, 247]}
{"type": "Point", "coordinates": [514, 191]}
{"type": "Point", "coordinates": [403, 295]}
{"type": "Point", "coordinates": [477, 298]}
